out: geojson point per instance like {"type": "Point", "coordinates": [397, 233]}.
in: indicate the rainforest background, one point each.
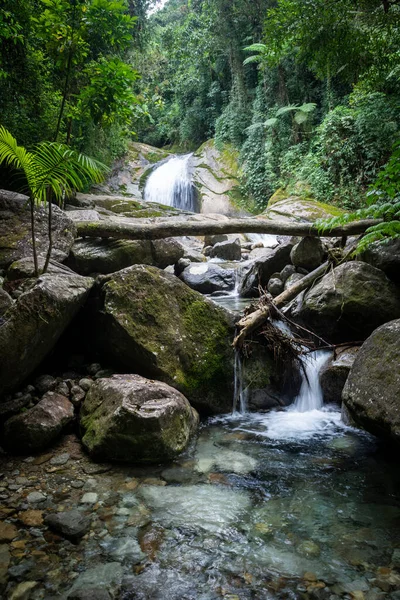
{"type": "Point", "coordinates": [305, 93]}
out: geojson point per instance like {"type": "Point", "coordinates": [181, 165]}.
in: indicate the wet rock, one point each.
{"type": "Point", "coordinates": [107, 577]}
{"type": "Point", "coordinates": [229, 250]}
{"type": "Point", "coordinates": [77, 395]}
{"type": "Point", "coordinates": [60, 459]}
{"type": "Point", "coordinates": [210, 240]}
{"type": "Point", "coordinates": [153, 323]}
{"type": "Point", "coordinates": [349, 302]}
{"type": "Point", "coordinates": [31, 518]}
{"type": "Point", "coordinates": [309, 549]}
{"type": "Point", "coordinates": [39, 426]}
{"type": "Point", "coordinates": [334, 373]}
{"type": "Point", "coordinates": [5, 302]}
{"type": "Point", "coordinates": [308, 253]}
{"type": "Point", "coordinates": [35, 323]}
{"type": "Point", "coordinates": [181, 265]}
{"type": "Point", "coordinates": [45, 383]}
{"type": "Point", "coordinates": [71, 524]}
{"type": "Point", "coordinates": [90, 594]}
{"type": "Point", "coordinates": [287, 272]}
{"type": "Point", "coordinates": [130, 418]}
{"type": "Point", "coordinates": [208, 277]}
{"type": "Point", "coordinates": [23, 590]}
{"type": "Point", "coordinates": [123, 549]}
{"type": "Point", "coordinates": [35, 497]}
{"type": "Point", "coordinates": [89, 498]}
{"type": "Point", "coordinates": [275, 286]}
{"type": "Point", "coordinates": [166, 252]}
{"type": "Point", "coordinates": [85, 384]}
{"type": "Point", "coordinates": [371, 392]}
{"type": "Point", "coordinates": [292, 279]}
{"type": "Point", "coordinates": [7, 532]}
{"type": "Point", "coordinates": [5, 559]}
{"type": "Point", "coordinates": [265, 262]}
{"type": "Point", "coordinates": [13, 407]}
{"type": "Point", "coordinates": [396, 559]}
{"type": "Point", "coordinates": [385, 256]}
{"type": "Point", "coordinates": [15, 229]}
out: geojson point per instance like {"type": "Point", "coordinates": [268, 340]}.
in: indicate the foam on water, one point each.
{"type": "Point", "coordinates": [268, 240]}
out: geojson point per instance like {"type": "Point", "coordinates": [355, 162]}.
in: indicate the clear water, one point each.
{"type": "Point", "coordinates": [257, 511]}
{"type": "Point", "coordinates": [171, 184]}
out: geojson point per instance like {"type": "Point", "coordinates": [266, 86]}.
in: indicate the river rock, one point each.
{"type": "Point", "coordinates": [210, 240]}
{"type": "Point", "coordinates": [15, 229]}
{"type": "Point", "coordinates": [349, 302]}
{"type": "Point", "coordinates": [385, 256]}
{"type": "Point", "coordinates": [372, 390]}
{"type": "Point", "coordinates": [106, 577]}
{"type": "Point", "coordinates": [265, 262]}
{"type": "Point", "coordinates": [229, 250]}
{"type": "Point", "coordinates": [6, 302]}
{"type": "Point", "coordinates": [72, 524]}
{"type": "Point", "coordinates": [208, 277]}
{"type": "Point", "coordinates": [149, 321]}
{"type": "Point", "coordinates": [132, 419]}
{"type": "Point", "coordinates": [292, 279]}
{"type": "Point", "coordinates": [38, 427]}
{"type": "Point", "coordinates": [308, 253]}
{"type": "Point", "coordinates": [284, 208]}
{"type": "Point", "coordinates": [166, 252]}
{"type": "Point", "coordinates": [107, 256]}
{"type": "Point", "coordinates": [35, 322]}
{"type": "Point", "coordinates": [334, 373]}
{"type": "Point", "coordinates": [275, 286]}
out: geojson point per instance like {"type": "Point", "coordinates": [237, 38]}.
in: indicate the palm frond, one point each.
{"type": "Point", "coordinates": [12, 154]}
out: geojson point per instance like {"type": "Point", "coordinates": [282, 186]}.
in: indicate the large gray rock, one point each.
{"type": "Point", "coordinates": [209, 277]}
{"type": "Point", "coordinates": [108, 256]}
{"type": "Point", "coordinates": [35, 322]}
{"type": "Point", "coordinates": [372, 391]}
{"type": "Point", "coordinates": [72, 524]}
{"type": "Point", "coordinates": [334, 373]}
{"type": "Point", "coordinates": [308, 253]}
{"type": "Point", "coordinates": [132, 419]}
{"type": "Point", "coordinates": [349, 302]}
{"type": "Point", "coordinates": [385, 256]}
{"type": "Point", "coordinates": [38, 427]}
{"type": "Point", "coordinates": [229, 250]}
{"type": "Point", "coordinates": [15, 230]}
{"type": "Point", "coordinates": [266, 261]}
{"type": "Point", "coordinates": [6, 303]}
{"type": "Point", "coordinates": [150, 322]}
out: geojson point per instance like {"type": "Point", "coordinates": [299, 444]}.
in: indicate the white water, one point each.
{"type": "Point", "coordinates": [171, 184]}
{"type": "Point", "coordinates": [239, 394]}
{"type": "Point", "coordinates": [268, 240]}
{"type": "Point", "coordinates": [310, 396]}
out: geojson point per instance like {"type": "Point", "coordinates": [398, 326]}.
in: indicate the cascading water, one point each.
{"type": "Point", "coordinates": [310, 396]}
{"type": "Point", "coordinates": [239, 393]}
{"type": "Point", "coordinates": [266, 239]}
{"type": "Point", "coordinates": [171, 184]}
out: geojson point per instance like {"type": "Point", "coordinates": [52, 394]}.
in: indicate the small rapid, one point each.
{"type": "Point", "coordinates": [171, 184]}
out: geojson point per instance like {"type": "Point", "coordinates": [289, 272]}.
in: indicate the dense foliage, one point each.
{"type": "Point", "coordinates": [307, 92]}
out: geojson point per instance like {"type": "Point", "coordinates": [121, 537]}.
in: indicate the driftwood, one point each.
{"type": "Point", "coordinates": [251, 322]}
{"type": "Point", "coordinates": [162, 228]}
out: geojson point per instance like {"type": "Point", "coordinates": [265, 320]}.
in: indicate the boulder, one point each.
{"type": "Point", "coordinates": [150, 322]}
{"type": "Point", "coordinates": [6, 303]}
{"type": "Point", "coordinates": [372, 391]}
{"type": "Point", "coordinates": [385, 256]}
{"type": "Point", "coordinates": [132, 419]}
{"type": "Point", "coordinates": [334, 373]}
{"type": "Point", "coordinates": [35, 322]}
{"type": "Point", "coordinates": [292, 279]}
{"type": "Point", "coordinates": [209, 277]}
{"type": "Point", "coordinates": [282, 207]}
{"type": "Point", "coordinates": [166, 252]}
{"type": "Point", "coordinates": [229, 250]}
{"type": "Point", "coordinates": [349, 302]}
{"type": "Point", "coordinates": [308, 253]}
{"type": "Point", "coordinates": [265, 262]}
{"type": "Point", "coordinates": [35, 429]}
{"type": "Point", "coordinates": [275, 286]}
{"type": "Point", "coordinates": [287, 272]}
{"type": "Point", "coordinates": [210, 240]}
{"type": "Point", "coordinates": [107, 256]}
{"type": "Point", "coordinates": [15, 230]}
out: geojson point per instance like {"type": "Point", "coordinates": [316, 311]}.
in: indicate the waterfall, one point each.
{"type": "Point", "coordinates": [171, 184]}
{"type": "Point", "coordinates": [310, 396]}
{"type": "Point", "coordinates": [268, 240]}
{"type": "Point", "coordinates": [239, 394]}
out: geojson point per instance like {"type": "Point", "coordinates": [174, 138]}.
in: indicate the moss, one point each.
{"type": "Point", "coordinates": [280, 194]}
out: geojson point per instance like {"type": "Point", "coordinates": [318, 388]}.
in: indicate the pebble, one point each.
{"type": "Point", "coordinates": [36, 497]}
{"type": "Point", "coordinates": [22, 591]}
{"type": "Point", "coordinates": [60, 459]}
{"type": "Point", "coordinates": [7, 532]}
{"type": "Point", "coordinates": [89, 498]}
{"type": "Point", "coordinates": [78, 484]}
{"type": "Point", "coordinates": [31, 518]}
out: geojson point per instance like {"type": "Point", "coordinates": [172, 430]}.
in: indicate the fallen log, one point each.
{"type": "Point", "coordinates": [251, 322]}
{"type": "Point", "coordinates": [161, 228]}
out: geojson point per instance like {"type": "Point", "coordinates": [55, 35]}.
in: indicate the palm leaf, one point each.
{"type": "Point", "coordinates": [286, 109]}
{"type": "Point", "coordinates": [253, 59]}
{"type": "Point", "coordinates": [256, 48]}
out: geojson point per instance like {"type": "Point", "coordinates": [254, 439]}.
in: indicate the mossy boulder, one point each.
{"type": "Point", "coordinates": [385, 256]}
{"type": "Point", "coordinates": [15, 230]}
{"type": "Point", "coordinates": [334, 373]}
{"type": "Point", "coordinates": [298, 209]}
{"type": "Point", "coordinates": [132, 419]}
{"type": "Point", "coordinates": [34, 323]}
{"type": "Point", "coordinates": [155, 325]}
{"type": "Point", "coordinates": [309, 253]}
{"type": "Point", "coordinates": [349, 302]}
{"type": "Point", "coordinates": [372, 391]}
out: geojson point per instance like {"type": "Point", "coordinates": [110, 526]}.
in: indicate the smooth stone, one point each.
{"type": "Point", "coordinates": [107, 576]}
{"type": "Point", "coordinates": [34, 497]}
{"type": "Point", "coordinates": [89, 498]}
{"type": "Point", "coordinates": [60, 459]}
{"type": "Point", "coordinates": [71, 524]}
